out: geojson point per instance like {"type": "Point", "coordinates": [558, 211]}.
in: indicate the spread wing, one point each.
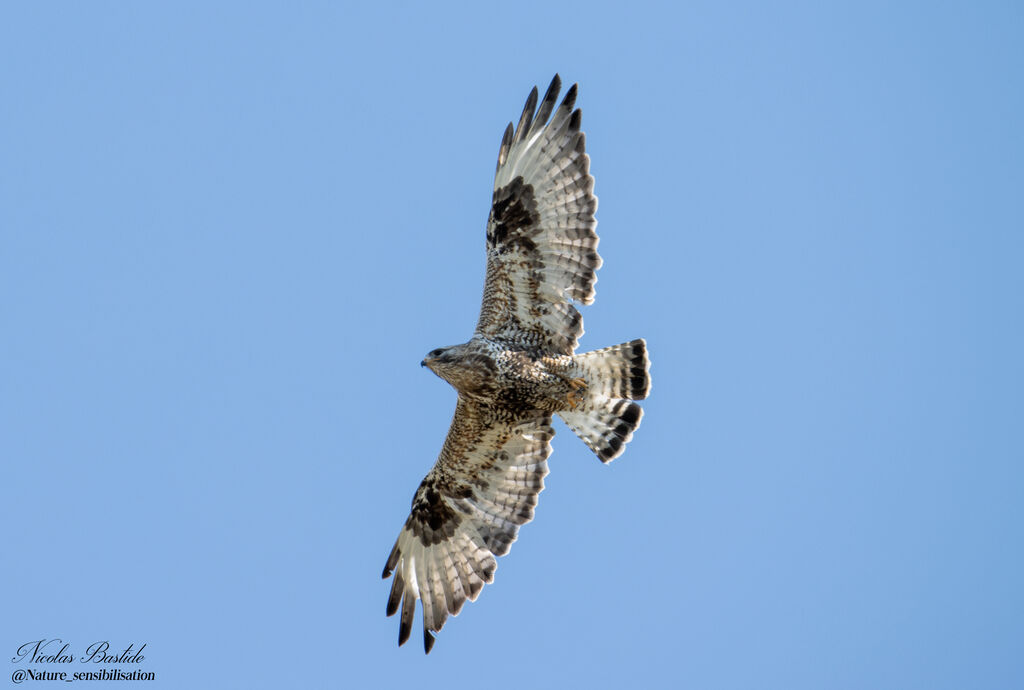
{"type": "Point", "coordinates": [467, 510]}
{"type": "Point", "coordinates": [541, 244]}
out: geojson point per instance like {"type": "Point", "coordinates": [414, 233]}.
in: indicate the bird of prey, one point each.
{"type": "Point", "coordinates": [517, 370]}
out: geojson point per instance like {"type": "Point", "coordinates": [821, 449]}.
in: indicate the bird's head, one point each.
{"type": "Point", "coordinates": [457, 364]}
{"type": "Point", "coordinates": [440, 360]}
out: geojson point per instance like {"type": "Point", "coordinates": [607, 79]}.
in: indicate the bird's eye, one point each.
{"type": "Point", "coordinates": [435, 353]}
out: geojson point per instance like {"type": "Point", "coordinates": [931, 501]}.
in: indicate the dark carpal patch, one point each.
{"type": "Point", "coordinates": [432, 519]}
{"type": "Point", "coordinates": [513, 212]}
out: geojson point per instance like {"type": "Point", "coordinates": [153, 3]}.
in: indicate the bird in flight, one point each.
{"type": "Point", "coordinates": [517, 370]}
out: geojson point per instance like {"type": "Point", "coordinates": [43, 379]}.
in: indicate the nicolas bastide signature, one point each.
{"type": "Point", "coordinates": [57, 651]}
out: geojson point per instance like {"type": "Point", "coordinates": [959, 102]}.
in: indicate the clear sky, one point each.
{"type": "Point", "coordinates": [230, 231]}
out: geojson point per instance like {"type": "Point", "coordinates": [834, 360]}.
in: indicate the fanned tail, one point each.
{"type": "Point", "coordinates": [607, 416]}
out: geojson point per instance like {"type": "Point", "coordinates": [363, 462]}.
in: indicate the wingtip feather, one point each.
{"type": "Point", "coordinates": [408, 612]}
{"type": "Point", "coordinates": [570, 96]}
{"type": "Point", "coordinates": [547, 104]}
{"type": "Point", "coordinates": [526, 118]}
{"type": "Point", "coordinates": [397, 589]}
{"type": "Point", "coordinates": [389, 566]}
{"type": "Point", "coordinates": [506, 144]}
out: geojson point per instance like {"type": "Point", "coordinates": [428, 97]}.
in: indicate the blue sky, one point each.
{"type": "Point", "coordinates": [228, 235]}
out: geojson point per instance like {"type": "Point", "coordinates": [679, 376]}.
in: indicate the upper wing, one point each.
{"type": "Point", "coordinates": [467, 511]}
{"type": "Point", "coordinates": [541, 244]}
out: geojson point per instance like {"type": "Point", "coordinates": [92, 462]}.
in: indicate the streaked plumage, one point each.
{"type": "Point", "coordinates": [517, 370]}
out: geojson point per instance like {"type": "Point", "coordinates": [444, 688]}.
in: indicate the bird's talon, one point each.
{"type": "Point", "coordinates": [573, 396]}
